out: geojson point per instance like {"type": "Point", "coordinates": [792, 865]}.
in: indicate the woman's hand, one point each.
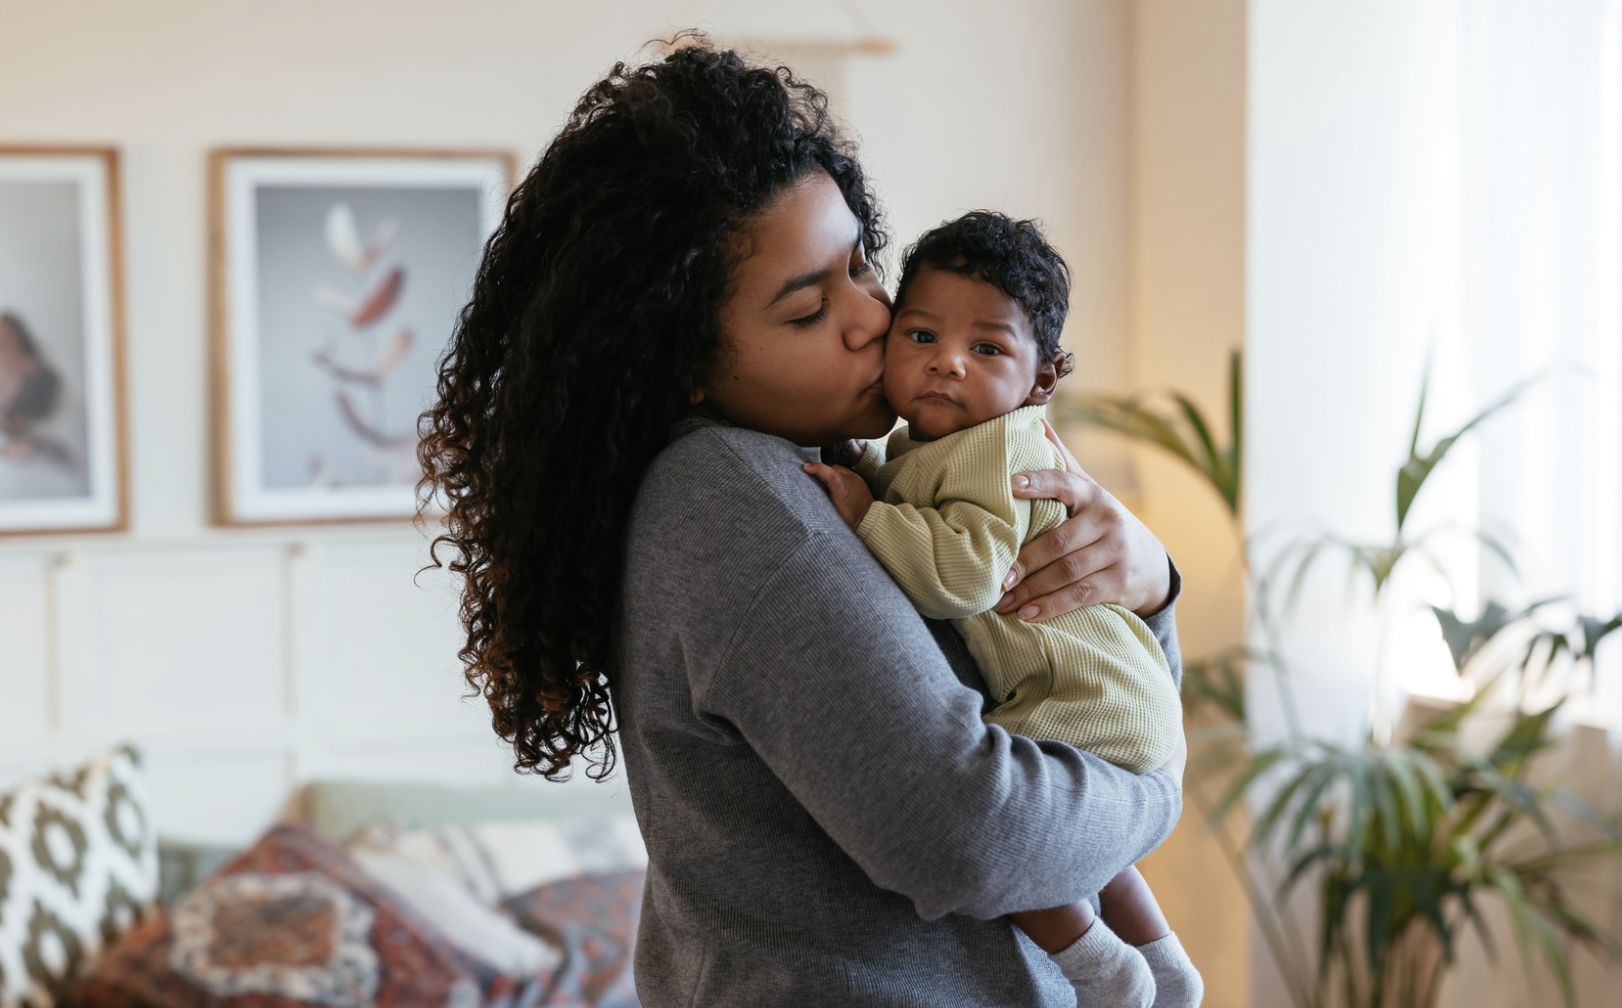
{"type": "Point", "coordinates": [1101, 554]}
{"type": "Point", "coordinates": [848, 491]}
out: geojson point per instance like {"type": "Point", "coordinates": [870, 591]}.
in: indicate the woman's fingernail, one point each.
{"type": "Point", "coordinates": [1029, 612]}
{"type": "Point", "coordinates": [1010, 580]}
{"type": "Point", "coordinates": [1021, 482]}
{"type": "Point", "coordinates": [1006, 598]}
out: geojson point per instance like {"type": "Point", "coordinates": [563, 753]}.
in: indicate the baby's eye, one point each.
{"type": "Point", "coordinates": [921, 336]}
{"type": "Point", "coordinates": [987, 349]}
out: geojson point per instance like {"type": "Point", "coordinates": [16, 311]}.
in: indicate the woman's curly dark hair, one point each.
{"type": "Point", "coordinates": [1011, 255]}
{"type": "Point", "coordinates": [594, 314]}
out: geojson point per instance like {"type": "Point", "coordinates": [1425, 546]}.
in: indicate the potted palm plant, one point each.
{"type": "Point", "coordinates": [1402, 840]}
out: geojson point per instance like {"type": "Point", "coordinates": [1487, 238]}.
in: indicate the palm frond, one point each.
{"type": "Point", "coordinates": [1413, 474]}
{"type": "Point", "coordinates": [1182, 430]}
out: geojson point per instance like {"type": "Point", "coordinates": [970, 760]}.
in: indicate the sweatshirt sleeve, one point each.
{"type": "Point", "coordinates": [1163, 624]}
{"type": "Point", "coordinates": [875, 737]}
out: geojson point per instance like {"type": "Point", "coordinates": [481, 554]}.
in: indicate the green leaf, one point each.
{"type": "Point", "coordinates": [1185, 433]}
{"type": "Point", "coordinates": [1463, 638]}
{"type": "Point", "coordinates": [1411, 477]}
{"type": "Point", "coordinates": [1594, 631]}
{"type": "Point", "coordinates": [1259, 764]}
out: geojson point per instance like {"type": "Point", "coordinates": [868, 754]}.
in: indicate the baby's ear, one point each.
{"type": "Point", "coordinates": [1047, 379]}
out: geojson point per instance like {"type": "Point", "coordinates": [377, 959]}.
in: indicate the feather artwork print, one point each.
{"type": "Point", "coordinates": [355, 357]}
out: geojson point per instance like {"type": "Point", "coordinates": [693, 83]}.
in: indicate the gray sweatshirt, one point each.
{"type": "Point", "coordinates": [828, 820]}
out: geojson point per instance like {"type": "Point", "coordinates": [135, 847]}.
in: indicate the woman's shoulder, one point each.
{"type": "Point", "coordinates": [721, 516]}
{"type": "Point", "coordinates": [734, 481]}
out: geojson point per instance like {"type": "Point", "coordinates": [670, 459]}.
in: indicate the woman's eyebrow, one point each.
{"type": "Point", "coordinates": [800, 282]}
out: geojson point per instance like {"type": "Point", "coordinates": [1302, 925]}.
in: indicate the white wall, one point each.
{"type": "Point", "coordinates": [247, 661]}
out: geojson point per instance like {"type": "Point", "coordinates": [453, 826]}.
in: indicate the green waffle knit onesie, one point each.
{"type": "Point", "coordinates": [946, 525]}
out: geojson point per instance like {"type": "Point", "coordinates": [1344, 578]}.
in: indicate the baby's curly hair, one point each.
{"type": "Point", "coordinates": [1011, 255]}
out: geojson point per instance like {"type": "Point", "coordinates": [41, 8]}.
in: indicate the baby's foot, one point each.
{"type": "Point", "coordinates": [1105, 970]}
{"type": "Point", "coordinates": [1177, 982]}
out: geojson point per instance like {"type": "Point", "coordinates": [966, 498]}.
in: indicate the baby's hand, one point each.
{"type": "Point", "coordinates": [849, 491]}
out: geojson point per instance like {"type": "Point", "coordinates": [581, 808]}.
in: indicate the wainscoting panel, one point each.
{"type": "Point", "coordinates": [27, 688]}
{"type": "Point", "coordinates": [243, 664]}
{"type": "Point", "coordinates": [182, 638]}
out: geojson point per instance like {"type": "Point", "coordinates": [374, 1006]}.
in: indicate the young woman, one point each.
{"type": "Point", "coordinates": [681, 296]}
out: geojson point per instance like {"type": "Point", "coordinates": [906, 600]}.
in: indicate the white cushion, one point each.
{"type": "Point", "coordinates": [497, 860]}
{"type": "Point", "coordinates": [470, 925]}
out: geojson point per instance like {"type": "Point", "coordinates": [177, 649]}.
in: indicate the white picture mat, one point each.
{"type": "Point", "coordinates": [250, 499]}
{"type": "Point", "coordinates": [100, 508]}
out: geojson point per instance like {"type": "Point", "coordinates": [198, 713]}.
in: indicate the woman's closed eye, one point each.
{"type": "Point", "coordinates": [812, 319]}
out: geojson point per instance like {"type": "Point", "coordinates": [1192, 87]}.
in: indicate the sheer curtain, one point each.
{"type": "Point", "coordinates": [1540, 292]}
{"type": "Point", "coordinates": [1442, 180]}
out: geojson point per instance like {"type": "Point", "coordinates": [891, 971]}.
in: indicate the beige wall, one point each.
{"type": "Point", "coordinates": [1186, 311]}
{"type": "Point", "coordinates": [244, 661]}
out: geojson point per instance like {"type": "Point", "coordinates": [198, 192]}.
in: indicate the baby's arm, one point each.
{"type": "Point", "coordinates": [949, 560]}
{"type": "Point", "coordinates": [946, 559]}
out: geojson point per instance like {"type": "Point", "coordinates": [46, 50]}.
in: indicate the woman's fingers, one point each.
{"type": "Point", "coordinates": [1074, 490]}
{"type": "Point", "coordinates": [1085, 576]}
{"type": "Point", "coordinates": [1101, 554]}
{"type": "Point", "coordinates": [1077, 495]}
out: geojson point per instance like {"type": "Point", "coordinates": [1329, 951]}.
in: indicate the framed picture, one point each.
{"type": "Point", "coordinates": [62, 438]}
{"type": "Point", "coordinates": [337, 280]}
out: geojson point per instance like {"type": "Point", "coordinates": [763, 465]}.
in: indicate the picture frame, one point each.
{"type": "Point", "coordinates": [336, 279]}
{"type": "Point", "coordinates": [64, 444]}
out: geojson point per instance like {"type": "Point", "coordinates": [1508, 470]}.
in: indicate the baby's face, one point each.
{"type": "Point", "coordinates": [959, 353]}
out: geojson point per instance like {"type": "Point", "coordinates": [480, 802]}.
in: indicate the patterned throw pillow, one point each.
{"type": "Point", "coordinates": [293, 921]}
{"type": "Point", "coordinates": [78, 867]}
{"type": "Point", "coordinates": [593, 918]}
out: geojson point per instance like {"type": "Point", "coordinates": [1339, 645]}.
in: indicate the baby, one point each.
{"type": "Point", "coordinates": [971, 361]}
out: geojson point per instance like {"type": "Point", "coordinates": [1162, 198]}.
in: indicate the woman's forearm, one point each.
{"type": "Point", "coordinates": [875, 737]}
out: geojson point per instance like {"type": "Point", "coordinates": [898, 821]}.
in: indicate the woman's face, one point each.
{"type": "Point", "coordinates": [803, 330]}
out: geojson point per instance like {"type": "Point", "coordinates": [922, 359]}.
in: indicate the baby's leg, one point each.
{"type": "Point", "coordinates": [1131, 910]}
{"type": "Point", "coordinates": [1103, 969]}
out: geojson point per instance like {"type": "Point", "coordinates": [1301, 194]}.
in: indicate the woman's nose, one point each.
{"type": "Point", "coordinates": [869, 321]}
